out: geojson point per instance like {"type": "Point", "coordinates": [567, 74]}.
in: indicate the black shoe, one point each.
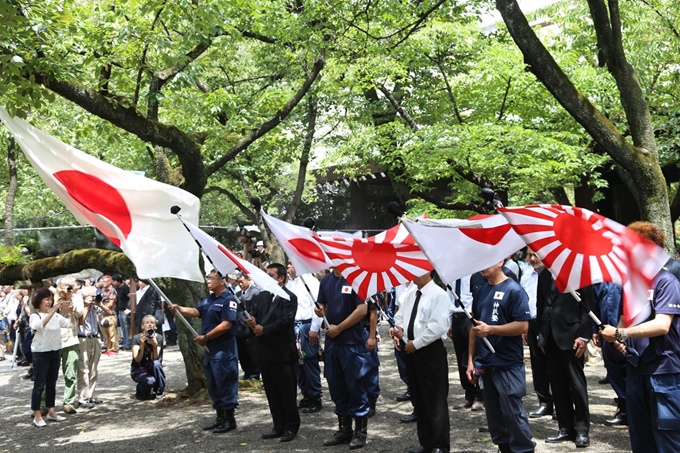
{"type": "Point", "coordinates": [304, 402]}
{"type": "Point", "coordinates": [619, 419]}
{"type": "Point", "coordinates": [412, 417]}
{"type": "Point", "coordinates": [604, 381]}
{"type": "Point", "coordinates": [85, 405]}
{"type": "Point", "coordinates": [313, 405]}
{"type": "Point", "coordinates": [288, 436]}
{"type": "Point", "coordinates": [273, 434]}
{"type": "Point", "coordinates": [467, 404]}
{"type": "Point", "coordinates": [405, 397]}
{"type": "Point", "coordinates": [562, 436]}
{"type": "Point", "coordinates": [484, 429]}
{"type": "Point", "coordinates": [438, 450]}
{"type": "Point", "coordinates": [582, 440]}
{"type": "Point", "coordinates": [542, 410]}
{"type": "Point", "coordinates": [96, 401]}
{"type": "Point", "coordinates": [417, 449]}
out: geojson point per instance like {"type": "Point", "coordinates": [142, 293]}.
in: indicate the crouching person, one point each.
{"type": "Point", "coordinates": [146, 369]}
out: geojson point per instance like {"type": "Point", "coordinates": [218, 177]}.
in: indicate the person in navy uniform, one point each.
{"type": "Point", "coordinates": [346, 358]}
{"type": "Point", "coordinates": [501, 308]}
{"type": "Point", "coordinates": [652, 356]}
{"type": "Point", "coordinates": [218, 314]}
{"type": "Point", "coordinates": [273, 322]}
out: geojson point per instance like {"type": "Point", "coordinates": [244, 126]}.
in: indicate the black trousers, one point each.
{"type": "Point", "coordinates": [460, 327]}
{"type": "Point", "coordinates": [428, 377]}
{"type": "Point", "coordinates": [570, 391]}
{"type": "Point", "coordinates": [539, 366]}
{"type": "Point", "coordinates": [247, 355]}
{"type": "Point", "coordinates": [280, 386]}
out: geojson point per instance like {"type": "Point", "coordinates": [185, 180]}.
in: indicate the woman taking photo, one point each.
{"type": "Point", "coordinates": [146, 369]}
{"type": "Point", "coordinates": [46, 323]}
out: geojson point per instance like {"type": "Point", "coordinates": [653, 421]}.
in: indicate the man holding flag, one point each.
{"type": "Point", "coordinates": [652, 351]}
{"type": "Point", "coordinates": [218, 314]}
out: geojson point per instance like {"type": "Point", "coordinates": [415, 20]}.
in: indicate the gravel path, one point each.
{"type": "Point", "coordinates": [125, 425]}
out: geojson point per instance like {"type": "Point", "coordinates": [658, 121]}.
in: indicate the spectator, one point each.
{"type": "Point", "coordinates": [146, 369]}
{"type": "Point", "coordinates": [46, 323]}
{"type": "Point", "coordinates": [108, 304]}
{"type": "Point", "coordinates": [123, 308]}
{"type": "Point", "coordinates": [71, 309]}
{"type": "Point", "coordinates": [90, 349]}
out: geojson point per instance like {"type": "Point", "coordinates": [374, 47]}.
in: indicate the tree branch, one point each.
{"type": "Point", "coordinates": [304, 158]}
{"type": "Point", "coordinates": [272, 123]}
{"type": "Point", "coordinates": [402, 112]}
{"type": "Point", "coordinates": [243, 208]}
{"type": "Point", "coordinates": [127, 118]}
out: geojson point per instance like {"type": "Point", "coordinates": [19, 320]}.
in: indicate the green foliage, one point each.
{"type": "Point", "coordinates": [12, 255]}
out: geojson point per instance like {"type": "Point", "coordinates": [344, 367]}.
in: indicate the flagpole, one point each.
{"type": "Point", "coordinates": [592, 315]}
{"type": "Point", "coordinates": [181, 317]}
{"type": "Point", "coordinates": [175, 210]}
{"type": "Point", "coordinates": [309, 291]}
{"type": "Point", "coordinates": [390, 321]}
{"type": "Point", "coordinates": [474, 322]}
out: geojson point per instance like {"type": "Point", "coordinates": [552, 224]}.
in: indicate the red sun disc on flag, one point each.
{"type": "Point", "coordinates": [489, 236]}
{"type": "Point", "coordinates": [308, 249]}
{"type": "Point", "coordinates": [97, 197]}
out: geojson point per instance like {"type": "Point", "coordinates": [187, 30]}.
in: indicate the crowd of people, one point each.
{"type": "Point", "coordinates": [277, 338]}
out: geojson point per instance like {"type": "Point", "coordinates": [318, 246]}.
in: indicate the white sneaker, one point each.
{"type": "Point", "coordinates": [58, 418]}
{"type": "Point", "coordinates": [39, 424]}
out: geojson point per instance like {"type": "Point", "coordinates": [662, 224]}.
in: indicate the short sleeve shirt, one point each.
{"type": "Point", "coordinates": [340, 301]}
{"type": "Point", "coordinates": [497, 305]}
{"type": "Point", "coordinates": [661, 355]}
{"type": "Point", "coordinates": [148, 351]}
{"type": "Point", "coordinates": [213, 311]}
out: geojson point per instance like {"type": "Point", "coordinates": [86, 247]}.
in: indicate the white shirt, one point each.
{"type": "Point", "coordinates": [69, 335]}
{"type": "Point", "coordinates": [530, 284]}
{"type": "Point", "coordinates": [305, 308]}
{"type": "Point", "coordinates": [140, 292]}
{"type": "Point", "coordinates": [465, 295]}
{"type": "Point", "coordinates": [432, 319]}
{"type": "Point", "coordinates": [11, 308]}
{"type": "Point", "coordinates": [47, 338]}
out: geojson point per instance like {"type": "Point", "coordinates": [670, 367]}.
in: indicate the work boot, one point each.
{"type": "Point", "coordinates": [371, 402]}
{"type": "Point", "coordinates": [313, 405]}
{"type": "Point", "coordinates": [620, 418]}
{"type": "Point", "coordinates": [219, 421]}
{"type": "Point", "coordinates": [504, 448]}
{"type": "Point", "coordinates": [344, 433]}
{"type": "Point", "coordinates": [360, 432]}
{"type": "Point", "coordinates": [228, 424]}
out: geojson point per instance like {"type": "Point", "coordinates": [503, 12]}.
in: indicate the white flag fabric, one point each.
{"type": "Point", "coordinates": [131, 210]}
{"type": "Point", "coordinates": [457, 248]}
{"type": "Point", "coordinates": [226, 261]}
{"type": "Point", "coordinates": [300, 247]}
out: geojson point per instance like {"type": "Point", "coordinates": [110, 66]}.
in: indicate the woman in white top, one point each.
{"type": "Point", "coordinates": [46, 324]}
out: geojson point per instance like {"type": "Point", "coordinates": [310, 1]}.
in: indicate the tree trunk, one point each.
{"type": "Point", "coordinates": [639, 160]}
{"type": "Point", "coordinates": [11, 193]}
{"type": "Point", "coordinates": [188, 294]}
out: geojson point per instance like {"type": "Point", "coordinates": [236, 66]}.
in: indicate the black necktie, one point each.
{"type": "Point", "coordinates": [411, 322]}
{"type": "Point", "coordinates": [458, 284]}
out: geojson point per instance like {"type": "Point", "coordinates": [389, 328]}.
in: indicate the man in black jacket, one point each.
{"type": "Point", "coordinates": [273, 321]}
{"type": "Point", "coordinates": [564, 331]}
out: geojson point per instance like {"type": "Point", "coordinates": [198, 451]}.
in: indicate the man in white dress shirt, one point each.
{"type": "Point", "coordinates": [423, 322]}
{"type": "Point", "coordinates": [307, 326]}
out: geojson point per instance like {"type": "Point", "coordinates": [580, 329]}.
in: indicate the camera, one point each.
{"type": "Point", "coordinates": [98, 298]}
{"type": "Point", "coordinates": [69, 288]}
{"type": "Point", "coordinates": [150, 333]}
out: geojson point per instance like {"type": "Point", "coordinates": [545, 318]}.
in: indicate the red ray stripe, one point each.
{"type": "Point", "coordinates": [532, 213]}
{"type": "Point", "coordinates": [538, 244]}
{"type": "Point", "coordinates": [562, 280]}
{"type": "Point", "coordinates": [528, 228]}
{"type": "Point", "coordinates": [586, 272]}
{"type": "Point", "coordinates": [550, 257]}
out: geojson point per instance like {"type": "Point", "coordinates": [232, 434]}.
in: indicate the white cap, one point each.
{"type": "Point", "coordinates": [259, 244]}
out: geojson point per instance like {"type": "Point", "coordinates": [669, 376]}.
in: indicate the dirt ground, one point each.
{"type": "Point", "coordinates": [123, 424]}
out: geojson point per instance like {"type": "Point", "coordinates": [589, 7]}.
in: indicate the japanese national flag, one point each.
{"type": "Point", "coordinates": [300, 247]}
{"type": "Point", "coordinates": [132, 211]}
{"type": "Point", "coordinates": [581, 248]}
{"type": "Point", "coordinates": [226, 261]}
{"type": "Point", "coordinates": [457, 248]}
